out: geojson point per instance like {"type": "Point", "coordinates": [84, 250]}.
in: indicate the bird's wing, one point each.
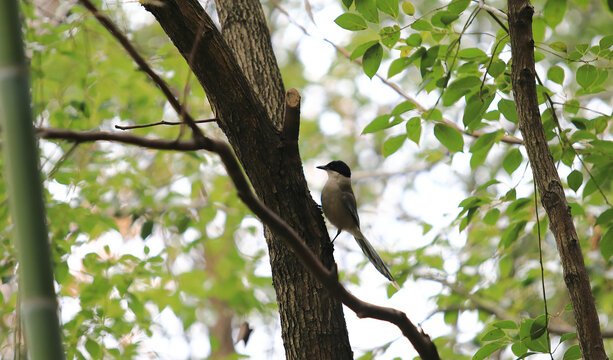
{"type": "Point", "coordinates": [349, 202]}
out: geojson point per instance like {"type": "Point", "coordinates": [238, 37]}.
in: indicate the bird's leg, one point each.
{"type": "Point", "coordinates": [337, 234]}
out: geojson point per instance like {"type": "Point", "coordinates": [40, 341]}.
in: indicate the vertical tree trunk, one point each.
{"type": "Point", "coordinates": [548, 181]}
{"type": "Point", "coordinates": [249, 103]}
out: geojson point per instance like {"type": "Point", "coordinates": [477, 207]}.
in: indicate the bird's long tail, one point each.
{"type": "Point", "coordinates": [374, 258]}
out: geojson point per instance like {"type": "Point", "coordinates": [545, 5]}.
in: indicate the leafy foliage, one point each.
{"type": "Point", "coordinates": [136, 233]}
{"type": "Point", "coordinates": [467, 78]}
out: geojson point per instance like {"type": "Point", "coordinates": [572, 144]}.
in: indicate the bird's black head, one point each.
{"type": "Point", "coordinates": [338, 166]}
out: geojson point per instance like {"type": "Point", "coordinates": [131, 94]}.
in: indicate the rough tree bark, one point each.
{"type": "Point", "coordinates": [548, 182]}
{"type": "Point", "coordinates": [249, 109]}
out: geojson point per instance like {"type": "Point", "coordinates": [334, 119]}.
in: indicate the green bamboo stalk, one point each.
{"type": "Point", "coordinates": [38, 302]}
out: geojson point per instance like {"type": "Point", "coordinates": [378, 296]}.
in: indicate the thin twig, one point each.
{"type": "Point", "coordinates": [538, 230]}
{"type": "Point", "coordinates": [143, 65]}
{"type": "Point", "coordinates": [64, 157]}
{"type": "Point", "coordinates": [162, 122]}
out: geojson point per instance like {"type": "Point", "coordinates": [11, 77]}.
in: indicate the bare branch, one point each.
{"type": "Point", "coordinates": [125, 138]}
{"type": "Point", "coordinates": [162, 122]}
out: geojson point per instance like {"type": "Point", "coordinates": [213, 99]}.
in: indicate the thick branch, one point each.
{"type": "Point", "coordinates": [125, 138]}
{"type": "Point", "coordinates": [548, 181]}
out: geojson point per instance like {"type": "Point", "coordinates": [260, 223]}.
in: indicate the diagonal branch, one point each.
{"type": "Point", "coordinates": [143, 65]}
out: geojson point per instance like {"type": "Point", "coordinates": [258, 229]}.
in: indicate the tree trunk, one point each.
{"type": "Point", "coordinates": [248, 101]}
{"type": "Point", "coordinates": [548, 182]}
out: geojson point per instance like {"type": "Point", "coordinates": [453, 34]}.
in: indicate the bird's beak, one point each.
{"type": "Point", "coordinates": [323, 167]}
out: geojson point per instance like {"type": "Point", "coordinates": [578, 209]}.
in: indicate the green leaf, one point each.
{"type": "Point", "coordinates": [512, 161]}
{"type": "Point", "coordinates": [475, 109]}
{"type": "Point", "coordinates": [451, 317]}
{"type": "Point", "coordinates": [443, 18]}
{"type": "Point", "coordinates": [372, 59]}
{"type": "Point", "coordinates": [390, 35]}
{"type": "Point", "coordinates": [575, 179]}
{"type": "Point", "coordinates": [606, 42]}
{"type": "Point", "coordinates": [146, 229]}
{"type": "Point", "coordinates": [507, 109]}
{"type": "Point", "coordinates": [497, 68]}
{"type": "Point", "coordinates": [389, 7]}
{"type": "Point", "coordinates": [421, 24]}
{"type": "Point", "coordinates": [556, 74]}
{"type": "Point", "coordinates": [451, 138]}
{"type": "Point", "coordinates": [538, 327]}
{"type": "Point", "coordinates": [573, 353]}
{"type": "Point", "coordinates": [586, 75]}
{"type": "Point", "coordinates": [397, 66]}
{"type": "Point", "coordinates": [93, 348]}
{"type": "Point", "coordinates": [368, 9]}
{"type": "Point", "coordinates": [408, 8]}
{"type": "Point", "coordinates": [518, 205]}
{"type": "Point", "coordinates": [576, 209]}
{"type": "Point", "coordinates": [347, 3]}
{"type": "Point", "coordinates": [414, 129]}
{"type": "Point", "coordinates": [493, 334]}
{"type": "Point", "coordinates": [605, 218]}
{"type": "Point", "coordinates": [404, 107]}
{"type": "Point", "coordinates": [606, 244]}
{"type": "Point", "coordinates": [519, 349]}
{"type": "Point", "coordinates": [538, 29]}
{"type": "Point", "coordinates": [559, 46]}
{"type": "Point", "coordinates": [488, 349]}
{"type": "Point", "coordinates": [505, 324]}
{"type": "Point", "coordinates": [471, 54]}
{"type": "Point", "coordinates": [379, 123]}
{"type": "Point", "coordinates": [528, 329]}
{"type": "Point", "coordinates": [352, 22]}
{"type": "Point", "coordinates": [361, 49]}
{"type": "Point", "coordinates": [414, 40]}
{"type": "Point", "coordinates": [485, 141]}
{"type": "Point", "coordinates": [392, 144]}
{"type": "Point", "coordinates": [512, 233]}
{"type": "Point", "coordinates": [554, 12]}
{"type": "Point", "coordinates": [458, 6]}
{"type": "Point", "coordinates": [568, 336]}
{"type": "Point", "coordinates": [491, 218]}
{"type": "Point", "coordinates": [482, 146]}
{"type": "Point", "coordinates": [459, 88]}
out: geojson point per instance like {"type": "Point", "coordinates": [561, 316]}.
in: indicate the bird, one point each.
{"type": "Point", "coordinates": [339, 206]}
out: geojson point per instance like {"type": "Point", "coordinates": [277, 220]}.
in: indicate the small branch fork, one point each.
{"type": "Point", "coordinates": [329, 277]}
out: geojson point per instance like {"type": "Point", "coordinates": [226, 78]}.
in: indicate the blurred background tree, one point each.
{"type": "Point", "coordinates": [140, 237]}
